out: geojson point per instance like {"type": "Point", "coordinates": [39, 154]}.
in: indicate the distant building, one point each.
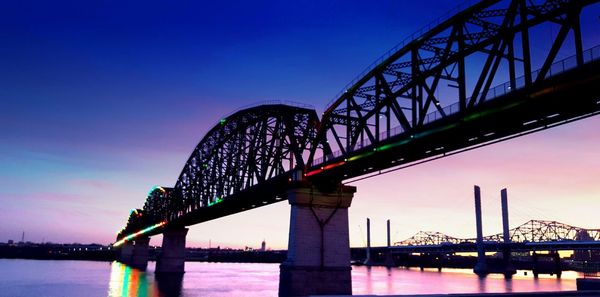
{"type": "Point", "coordinates": [10, 241]}
{"type": "Point", "coordinates": [263, 246]}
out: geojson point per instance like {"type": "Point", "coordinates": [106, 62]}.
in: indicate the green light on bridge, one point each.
{"type": "Point", "coordinates": [217, 201]}
{"type": "Point", "coordinates": [136, 234]}
{"type": "Point", "coordinates": [491, 111]}
{"type": "Point", "coordinates": [156, 188]}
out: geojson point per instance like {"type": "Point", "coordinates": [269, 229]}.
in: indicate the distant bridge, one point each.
{"type": "Point", "coordinates": [470, 80]}
{"type": "Point", "coordinates": [534, 231]}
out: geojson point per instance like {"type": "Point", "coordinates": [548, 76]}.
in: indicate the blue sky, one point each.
{"type": "Point", "coordinates": [104, 99]}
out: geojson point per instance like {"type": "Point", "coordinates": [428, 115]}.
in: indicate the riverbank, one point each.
{"type": "Point", "coordinates": [96, 252]}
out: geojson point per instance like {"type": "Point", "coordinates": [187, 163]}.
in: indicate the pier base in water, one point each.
{"type": "Point", "coordinates": [139, 258]}
{"type": "Point", "coordinates": [125, 253]}
{"type": "Point", "coordinates": [172, 257]}
{"type": "Point", "coordinates": [318, 259]}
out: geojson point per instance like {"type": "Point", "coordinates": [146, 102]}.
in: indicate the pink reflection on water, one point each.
{"type": "Point", "coordinates": [86, 278]}
{"type": "Point", "coordinates": [381, 280]}
{"type": "Point", "coordinates": [231, 279]}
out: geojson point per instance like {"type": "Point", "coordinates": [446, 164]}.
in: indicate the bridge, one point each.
{"type": "Point", "coordinates": [533, 231]}
{"type": "Point", "coordinates": [464, 82]}
{"type": "Point", "coordinates": [536, 238]}
{"type": "Point", "coordinates": [534, 235]}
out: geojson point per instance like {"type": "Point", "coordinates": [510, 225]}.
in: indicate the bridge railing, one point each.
{"type": "Point", "coordinates": [556, 68]}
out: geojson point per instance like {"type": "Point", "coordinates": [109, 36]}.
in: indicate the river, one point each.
{"type": "Point", "coordinates": [89, 279]}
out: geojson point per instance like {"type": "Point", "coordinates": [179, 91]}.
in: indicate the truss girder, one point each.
{"type": "Point", "coordinates": [246, 148]}
{"type": "Point", "coordinates": [403, 90]}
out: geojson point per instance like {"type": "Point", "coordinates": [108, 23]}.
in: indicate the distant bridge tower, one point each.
{"type": "Point", "coordinates": [509, 270]}
{"type": "Point", "coordinates": [389, 259]}
{"type": "Point", "coordinates": [368, 260]}
{"type": "Point", "coordinates": [481, 266]}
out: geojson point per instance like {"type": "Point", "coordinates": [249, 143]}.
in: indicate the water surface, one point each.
{"type": "Point", "coordinates": [89, 279]}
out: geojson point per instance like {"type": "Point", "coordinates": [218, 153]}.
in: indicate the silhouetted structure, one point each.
{"type": "Point", "coordinates": [390, 116]}
{"type": "Point", "coordinates": [531, 231]}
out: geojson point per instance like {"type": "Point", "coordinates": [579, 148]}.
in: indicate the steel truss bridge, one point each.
{"type": "Point", "coordinates": [488, 73]}
{"type": "Point", "coordinates": [534, 235]}
{"type": "Point", "coordinates": [531, 231]}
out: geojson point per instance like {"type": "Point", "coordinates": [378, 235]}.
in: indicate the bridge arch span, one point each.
{"type": "Point", "coordinates": [244, 155]}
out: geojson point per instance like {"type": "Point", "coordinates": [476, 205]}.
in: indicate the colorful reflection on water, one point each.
{"type": "Point", "coordinates": [89, 279]}
{"type": "Point", "coordinates": [130, 282]}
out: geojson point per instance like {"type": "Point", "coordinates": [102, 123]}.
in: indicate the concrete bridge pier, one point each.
{"type": "Point", "coordinates": [125, 253]}
{"type": "Point", "coordinates": [549, 267]}
{"type": "Point", "coordinates": [139, 257]}
{"type": "Point", "coordinates": [172, 257]}
{"type": "Point", "coordinates": [318, 259]}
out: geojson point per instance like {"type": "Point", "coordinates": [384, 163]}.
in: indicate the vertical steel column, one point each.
{"type": "Point", "coordinates": [525, 43]}
{"type": "Point", "coordinates": [389, 259]}
{"type": "Point", "coordinates": [505, 230]}
{"type": "Point", "coordinates": [416, 106]}
{"type": "Point", "coordinates": [462, 85]}
{"type": "Point", "coordinates": [368, 259]}
{"type": "Point", "coordinates": [509, 270]}
{"type": "Point", "coordinates": [388, 234]}
{"type": "Point", "coordinates": [480, 267]}
{"type": "Point", "coordinates": [578, 41]}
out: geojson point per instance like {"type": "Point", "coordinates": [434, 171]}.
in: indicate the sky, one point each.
{"type": "Point", "coordinates": [102, 100]}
